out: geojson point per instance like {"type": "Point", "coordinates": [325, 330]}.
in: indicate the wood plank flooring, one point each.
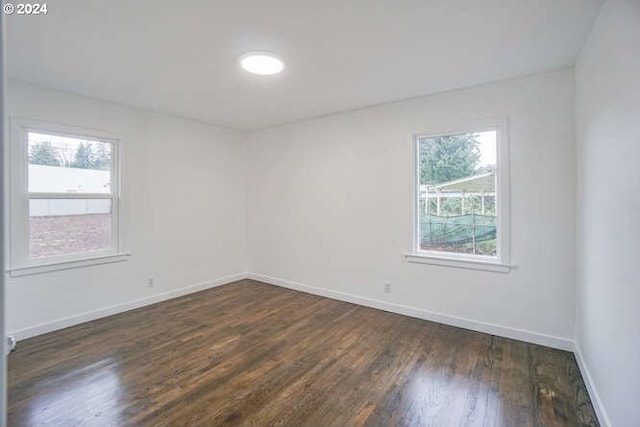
{"type": "Point", "coordinates": [254, 354]}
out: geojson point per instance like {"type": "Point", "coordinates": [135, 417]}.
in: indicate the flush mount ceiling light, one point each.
{"type": "Point", "coordinates": [263, 63]}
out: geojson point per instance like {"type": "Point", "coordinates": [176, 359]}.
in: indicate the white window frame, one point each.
{"type": "Point", "coordinates": [20, 262]}
{"type": "Point", "coordinates": [500, 262]}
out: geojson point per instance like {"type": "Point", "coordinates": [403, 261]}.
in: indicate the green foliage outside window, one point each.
{"type": "Point", "coordinates": [86, 156]}
{"type": "Point", "coordinates": [449, 157]}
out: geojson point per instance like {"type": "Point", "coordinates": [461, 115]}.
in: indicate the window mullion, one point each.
{"type": "Point", "coordinates": [70, 196]}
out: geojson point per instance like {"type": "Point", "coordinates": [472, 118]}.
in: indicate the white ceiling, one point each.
{"type": "Point", "coordinates": [181, 57]}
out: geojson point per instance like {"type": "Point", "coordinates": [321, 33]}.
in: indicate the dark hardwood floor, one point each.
{"type": "Point", "coordinates": [254, 354]}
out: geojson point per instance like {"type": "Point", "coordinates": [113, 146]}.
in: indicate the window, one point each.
{"type": "Point", "coordinates": [64, 197]}
{"type": "Point", "coordinates": [461, 208]}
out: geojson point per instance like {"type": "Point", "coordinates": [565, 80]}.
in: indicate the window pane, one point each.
{"type": "Point", "coordinates": [458, 193]}
{"type": "Point", "coordinates": [68, 226]}
{"type": "Point", "coordinates": [62, 164]}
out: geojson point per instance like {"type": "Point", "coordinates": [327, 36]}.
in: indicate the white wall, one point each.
{"type": "Point", "coordinates": [608, 133]}
{"type": "Point", "coordinates": [330, 206]}
{"type": "Point", "coordinates": [3, 359]}
{"type": "Point", "coordinates": [184, 209]}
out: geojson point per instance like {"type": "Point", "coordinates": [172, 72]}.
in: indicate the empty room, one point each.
{"type": "Point", "coordinates": [320, 213]}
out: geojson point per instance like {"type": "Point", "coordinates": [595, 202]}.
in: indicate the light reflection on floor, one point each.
{"type": "Point", "coordinates": [93, 392]}
{"type": "Point", "coordinates": [433, 393]}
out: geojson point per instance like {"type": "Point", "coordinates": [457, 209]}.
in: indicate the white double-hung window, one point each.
{"type": "Point", "coordinates": [461, 198]}
{"type": "Point", "coordinates": [64, 197]}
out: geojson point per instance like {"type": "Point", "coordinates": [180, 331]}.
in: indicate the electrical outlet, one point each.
{"type": "Point", "coordinates": [150, 282]}
{"type": "Point", "coordinates": [387, 288]}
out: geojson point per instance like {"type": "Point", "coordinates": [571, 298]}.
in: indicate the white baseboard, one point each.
{"type": "Point", "coordinates": [76, 319]}
{"type": "Point", "coordinates": [603, 418]}
{"type": "Point", "coordinates": [447, 319]}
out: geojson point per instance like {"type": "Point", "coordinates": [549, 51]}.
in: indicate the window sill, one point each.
{"type": "Point", "coordinates": [459, 263]}
{"type": "Point", "coordinates": [27, 270]}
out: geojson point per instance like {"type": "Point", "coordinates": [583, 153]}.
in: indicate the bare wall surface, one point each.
{"type": "Point", "coordinates": [3, 301]}
{"type": "Point", "coordinates": [183, 205]}
{"type": "Point", "coordinates": [330, 205]}
{"type": "Point", "coordinates": [608, 131]}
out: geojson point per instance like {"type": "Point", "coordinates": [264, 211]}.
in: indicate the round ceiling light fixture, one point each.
{"type": "Point", "coordinates": [262, 63]}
